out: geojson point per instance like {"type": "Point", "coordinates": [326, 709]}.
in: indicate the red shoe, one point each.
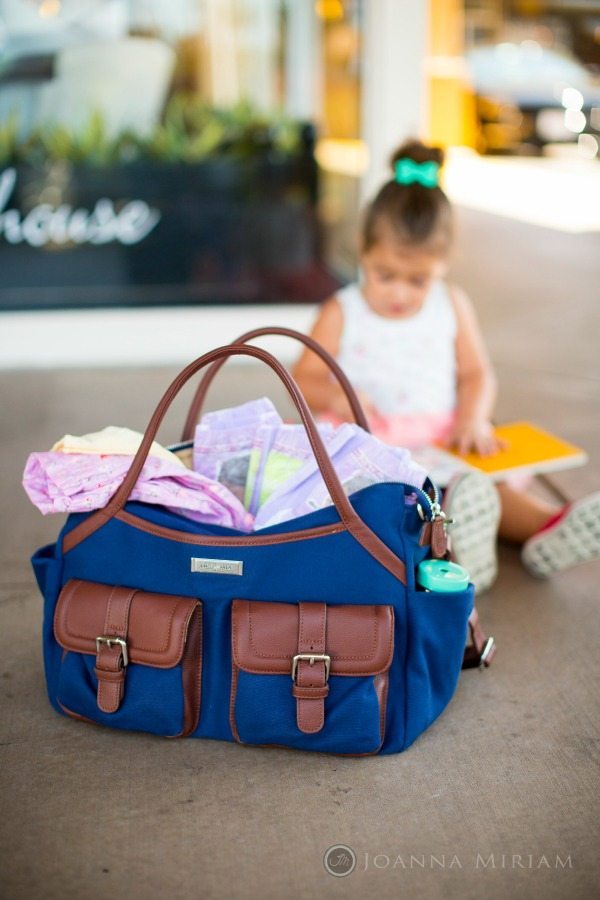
{"type": "Point", "coordinates": [570, 538]}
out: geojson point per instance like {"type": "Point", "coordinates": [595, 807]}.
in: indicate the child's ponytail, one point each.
{"type": "Point", "coordinates": [411, 207]}
{"type": "Point", "coordinates": [417, 152]}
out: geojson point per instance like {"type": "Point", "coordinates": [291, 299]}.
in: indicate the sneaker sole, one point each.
{"type": "Point", "coordinates": [573, 540]}
{"type": "Point", "coordinates": [472, 501]}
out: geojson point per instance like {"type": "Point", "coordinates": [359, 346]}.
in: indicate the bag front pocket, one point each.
{"type": "Point", "coordinates": [132, 659]}
{"type": "Point", "coordinates": [311, 675]}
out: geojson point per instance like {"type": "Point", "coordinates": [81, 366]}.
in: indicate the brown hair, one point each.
{"type": "Point", "coordinates": [411, 213]}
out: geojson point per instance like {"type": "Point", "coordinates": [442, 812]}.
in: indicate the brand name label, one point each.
{"type": "Point", "coordinates": [218, 566]}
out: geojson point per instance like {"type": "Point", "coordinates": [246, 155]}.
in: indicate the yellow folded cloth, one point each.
{"type": "Point", "coordinates": [111, 440]}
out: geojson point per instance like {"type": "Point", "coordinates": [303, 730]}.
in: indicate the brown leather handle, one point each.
{"type": "Point", "coordinates": [350, 519]}
{"type": "Point", "coordinates": [208, 377]}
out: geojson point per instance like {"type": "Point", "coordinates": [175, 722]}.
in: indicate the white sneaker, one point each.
{"type": "Point", "coordinates": [571, 539]}
{"type": "Point", "coordinates": [472, 502]}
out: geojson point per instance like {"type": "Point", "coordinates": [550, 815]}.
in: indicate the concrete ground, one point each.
{"type": "Point", "coordinates": [498, 799]}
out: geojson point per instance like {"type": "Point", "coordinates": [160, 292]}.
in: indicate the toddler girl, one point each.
{"type": "Point", "coordinates": [412, 347]}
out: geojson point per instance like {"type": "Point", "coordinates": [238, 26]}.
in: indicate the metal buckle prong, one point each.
{"type": "Point", "coordinates": [113, 640]}
{"type": "Point", "coordinates": [489, 646]}
{"type": "Point", "coordinates": [311, 657]}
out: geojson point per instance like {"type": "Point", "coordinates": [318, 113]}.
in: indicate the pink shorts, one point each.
{"type": "Point", "coordinates": [406, 431]}
{"type": "Point", "coordinates": [414, 432]}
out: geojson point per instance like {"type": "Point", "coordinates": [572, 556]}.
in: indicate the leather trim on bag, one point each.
{"type": "Point", "coordinates": [232, 696]}
{"type": "Point", "coordinates": [252, 540]}
{"type": "Point", "coordinates": [192, 673]}
{"type": "Point", "coordinates": [360, 638]}
{"type": "Point", "coordinates": [74, 715]}
{"type": "Point", "coordinates": [381, 687]}
{"type": "Point", "coordinates": [158, 623]}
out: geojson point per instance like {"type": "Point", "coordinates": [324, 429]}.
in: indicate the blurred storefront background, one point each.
{"type": "Point", "coordinates": [218, 151]}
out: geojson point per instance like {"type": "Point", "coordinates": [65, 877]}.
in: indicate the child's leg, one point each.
{"type": "Point", "coordinates": [523, 514]}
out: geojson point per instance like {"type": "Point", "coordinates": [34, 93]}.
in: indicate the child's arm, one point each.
{"type": "Point", "coordinates": [322, 392]}
{"type": "Point", "coordinates": [476, 383]}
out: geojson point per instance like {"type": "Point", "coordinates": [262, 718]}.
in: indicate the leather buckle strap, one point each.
{"type": "Point", "coordinates": [310, 667]}
{"type": "Point", "coordinates": [111, 650]}
{"type": "Point", "coordinates": [481, 650]}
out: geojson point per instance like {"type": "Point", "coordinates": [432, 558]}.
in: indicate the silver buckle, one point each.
{"type": "Point", "coordinates": [311, 656]}
{"type": "Point", "coordinates": [114, 640]}
{"type": "Point", "coordinates": [489, 646]}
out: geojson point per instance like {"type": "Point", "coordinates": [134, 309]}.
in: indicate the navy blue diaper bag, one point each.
{"type": "Point", "coordinates": [311, 634]}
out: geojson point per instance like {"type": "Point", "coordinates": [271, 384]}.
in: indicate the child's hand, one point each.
{"type": "Point", "coordinates": [475, 436]}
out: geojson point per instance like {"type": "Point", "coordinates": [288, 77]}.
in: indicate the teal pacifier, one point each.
{"type": "Point", "coordinates": [441, 575]}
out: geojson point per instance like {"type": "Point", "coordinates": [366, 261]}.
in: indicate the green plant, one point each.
{"type": "Point", "coordinates": [9, 138]}
{"type": "Point", "coordinates": [190, 132]}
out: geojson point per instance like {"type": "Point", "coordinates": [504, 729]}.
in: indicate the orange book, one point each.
{"type": "Point", "coordinates": [529, 449]}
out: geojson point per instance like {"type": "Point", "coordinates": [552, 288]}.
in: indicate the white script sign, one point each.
{"type": "Point", "coordinates": [45, 224]}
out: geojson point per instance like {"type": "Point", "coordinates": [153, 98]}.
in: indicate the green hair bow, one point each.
{"type": "Point", "coordinates": [408, 171]}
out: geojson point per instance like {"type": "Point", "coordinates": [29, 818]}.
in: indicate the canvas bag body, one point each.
{"type": "Point", "coordinates": [313, 560]}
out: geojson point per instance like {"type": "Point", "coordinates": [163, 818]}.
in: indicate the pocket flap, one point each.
{"type": "Point", "coordinates": [359, 639]}
{"type": "Point", "coordinates": [158, 623]}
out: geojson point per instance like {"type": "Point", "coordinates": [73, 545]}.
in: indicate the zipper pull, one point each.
{"type": "Point", "coordinates": [434, 531]}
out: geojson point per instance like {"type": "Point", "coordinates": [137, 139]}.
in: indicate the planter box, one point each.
{"type": "Point", "coordinates": [150, 233]}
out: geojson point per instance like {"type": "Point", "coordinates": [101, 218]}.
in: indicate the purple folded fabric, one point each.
{"type": "Point", "coordinates": [79, 482]}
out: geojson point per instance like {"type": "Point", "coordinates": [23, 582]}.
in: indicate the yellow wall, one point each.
{"type": "Point", "coordinates": [451, 101]}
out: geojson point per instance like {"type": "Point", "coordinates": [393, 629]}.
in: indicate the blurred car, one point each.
{"type": "Point", "coordinates": [529, 96]}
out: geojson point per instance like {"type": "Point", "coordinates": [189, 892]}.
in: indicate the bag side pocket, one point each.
{"type": "Point", "coordinates": [132, 659]}
{"type": "Point", "coordinates": [437, 633]}
{"type": "Point", "coordinates": [47, 567]}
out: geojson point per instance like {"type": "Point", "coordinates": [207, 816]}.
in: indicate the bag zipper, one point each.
{"type": "Point", "coordinates": [436, 522]}
{"type": "Point", "coordinates": [434, 509]}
